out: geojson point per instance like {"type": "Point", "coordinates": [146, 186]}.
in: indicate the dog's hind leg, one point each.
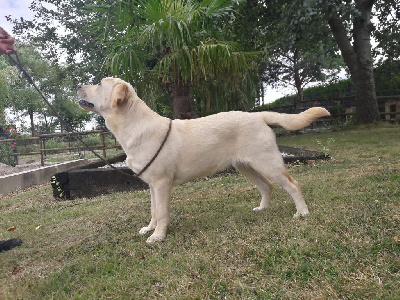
{"type": "Point", "coordinates": [294, 190]}
{"type": "Point", "coordinates": [262, 183]}
{"type": "Point", "coordinates": [280, 176]}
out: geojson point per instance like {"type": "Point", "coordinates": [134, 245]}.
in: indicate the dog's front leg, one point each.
{"type": "Point", "coordinates": [153, 222]}
{"type": "Point", "coordinates": [161, 192]}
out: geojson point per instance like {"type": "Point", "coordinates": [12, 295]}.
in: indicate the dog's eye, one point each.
{"type": "Point", "coordinates": [99, 83]}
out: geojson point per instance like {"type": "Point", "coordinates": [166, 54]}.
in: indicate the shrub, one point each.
{"type": "Point", "coordinates": [92, 139]}
{"type": "Point", "coordinates": [54, 143]}
{"type": "Point", "coordinates": [5, 151]}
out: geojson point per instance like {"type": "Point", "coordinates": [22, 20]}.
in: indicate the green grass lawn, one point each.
{"type": "Point", "coordinates": [217, 247]}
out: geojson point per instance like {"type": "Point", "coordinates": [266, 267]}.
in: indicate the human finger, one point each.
{"type": "Point", "coordinates": [8, 40]}
{"type": "Point", "coordinates": [11, 50]}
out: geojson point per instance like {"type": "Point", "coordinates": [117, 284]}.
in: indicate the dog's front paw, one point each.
{"type": "Point", "coordinates": [145, 230]}
{"type": "Point", "coordinates": [259, 208]}
{"type": "Point", "coordinates": [155, 238]}
{"type": "Point", "coordinates": [299, 214]}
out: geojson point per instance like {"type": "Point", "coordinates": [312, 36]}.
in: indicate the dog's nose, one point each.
{"type": "Point", "coordinates": [79, 87]}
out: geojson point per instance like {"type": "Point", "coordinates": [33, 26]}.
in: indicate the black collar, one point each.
{"type": "Point", "coordinates": [158, 151]}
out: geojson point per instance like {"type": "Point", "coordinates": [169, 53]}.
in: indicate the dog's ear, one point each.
{"type": "Point", "coordinates": [119, 94]}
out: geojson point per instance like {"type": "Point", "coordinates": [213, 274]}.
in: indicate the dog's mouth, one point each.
{"type": "Point", "coordinates": [86, 104]}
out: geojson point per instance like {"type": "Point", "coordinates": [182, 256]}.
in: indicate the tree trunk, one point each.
{"type": "Point", "coordinates": [208, 102]}
{"type": "Point", "coordinates": [299, 103]}
{"type": "Point", "coordinates": [298, 83]}
{"type": "Point", "coordinates": [358, 58]}
{"type": "Point", "coordinates": [2, 120]}
{"type": "Point", "coordinates": [363, 77]}
{"type": "Point", "coordinates": [366, 102]}
{"type": "Point", "coordinates": [33, 131]}
{"type": "Point", "coordinates": [181, 102]}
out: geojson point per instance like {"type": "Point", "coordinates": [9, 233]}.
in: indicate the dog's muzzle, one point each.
{"type": "Point", "coordinates": [84, 103]}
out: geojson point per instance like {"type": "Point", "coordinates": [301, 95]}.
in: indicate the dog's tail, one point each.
{"type": "Point", "coordinates": [295, 121]}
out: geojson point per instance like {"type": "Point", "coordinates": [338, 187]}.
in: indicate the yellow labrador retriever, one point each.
{"type": "Point", "coordinates": [194, 148]}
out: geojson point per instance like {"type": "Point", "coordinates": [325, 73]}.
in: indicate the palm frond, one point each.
{"type": "Point", "coordinates": [170, 40]}
{"type": "Point", "coordinates": [218, 8]}
{"type": "Point", "coordinates": [128, 63]}
{"type": "Point", "coordinates": [213, 57]}
{"type": "Point", "coordinates": [209, 59]}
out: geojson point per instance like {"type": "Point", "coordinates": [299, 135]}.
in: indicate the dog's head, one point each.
{"type": "Point", "coordinates": [105, 98]}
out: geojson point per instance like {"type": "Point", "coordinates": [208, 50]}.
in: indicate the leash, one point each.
{"type": "Point", "coordinates": [18, 63]}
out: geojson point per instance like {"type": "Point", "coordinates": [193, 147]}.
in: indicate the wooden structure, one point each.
{"type": "Point", "coordinates": [41, 140]}
{"type": "Point", "coordinates": [91, 180]}
{"type": "Point", "coordinates": [392, 111]}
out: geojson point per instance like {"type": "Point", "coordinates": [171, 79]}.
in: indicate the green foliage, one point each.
{"type": "Point", "coordinates": [71, 113]}
{"type": "Point", "coordinates": [338, 89]}
{"type": "Point", "coordinates": [350, 26]}
{"type": "Point", "coordinates": [27, 147]}
{"type": "Point", "coordinates": [387, 77]}
{"type": "Point", "coordinates": [23, 99]}
{"type": "Point", "coordinates": [330, 91]}
{"type": "Point", "coordinates": [92, 139]}
{"type": "Point", "coordinates": [324, 146]}
{"type": "Point", "coordinates": [146, 43]}
{"type": "Point", "coordinates": [7, 74]}
{"type": "Point", "coordinates": [172, 43]}
{"type": "Point", "coordinates": [84, 56]}
{"type": "Point", "coordinates": [387, 80]}
{"type": "Point", "coordinates": [300, 47]}
{"type": "Point", "coordinates": [150, 42]}
{"type": "Point", "coordinates": [5, 151]}
{"type": "Point", "coordinates": [387, 29]}
{"type": "Point", "coordinates": [213, 96]}
{"type": "Point", "coordinates": [54, 143]}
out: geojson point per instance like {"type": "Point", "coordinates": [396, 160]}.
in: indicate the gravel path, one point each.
{"type": "Point", "coordinates": [8, 170]}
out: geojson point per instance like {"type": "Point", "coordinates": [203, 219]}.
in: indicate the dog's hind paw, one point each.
{"type": "Point", "coordinates": [145, 230]}
{"type": "Point", "coordinates": [298, 214]}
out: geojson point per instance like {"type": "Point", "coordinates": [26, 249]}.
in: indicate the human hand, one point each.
{"type": "Point", "coordinates": [6, 43]}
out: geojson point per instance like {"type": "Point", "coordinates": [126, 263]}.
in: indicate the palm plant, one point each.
{"type": "Point", "coordinates": [173, 42]}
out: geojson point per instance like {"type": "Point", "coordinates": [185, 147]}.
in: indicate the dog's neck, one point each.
{"type": "Point", "coordinates": [137, 120]}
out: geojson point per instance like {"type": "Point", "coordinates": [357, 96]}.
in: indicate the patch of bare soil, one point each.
{"type": "Point", "coordinates": [8, 170]}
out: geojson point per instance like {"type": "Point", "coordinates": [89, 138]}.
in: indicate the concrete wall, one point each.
{"type": "Point", "coordinates": [23, 180]}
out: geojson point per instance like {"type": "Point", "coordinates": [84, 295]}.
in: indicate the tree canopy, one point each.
{"type": "Point", "coordinates": [178, 44]}
{"type": "Point", "coordinates": [25, 101]}
{"type": "Point", "coordinates": [301, 49]}
{"type": "Point", "coordinates": [175, 50]}
{"type": "Point", "coordinates": [351, 25]}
